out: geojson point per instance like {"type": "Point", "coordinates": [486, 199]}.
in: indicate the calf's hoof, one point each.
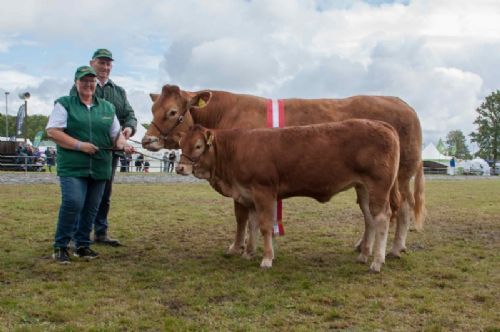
{"type": "Point", "coordinates": [266, 263]}
{"type": "Point", "coordinates": [363, 259]}
{"type": "Point", "coordinates": [375, 267]}
{"type": "Point", "coordinates": [234, 251]}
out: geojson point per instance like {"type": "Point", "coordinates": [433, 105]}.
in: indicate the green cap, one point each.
{"type": "Point", "coordinates": [102, 53]}
{"type": "Point", "coordinates": [84, 71]}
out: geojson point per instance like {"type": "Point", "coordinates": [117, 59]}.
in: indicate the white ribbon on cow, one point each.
{"type": "Point", "coordinates": [276, 119]}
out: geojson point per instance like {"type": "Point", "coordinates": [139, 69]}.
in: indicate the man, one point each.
{"type": "Point", "coordinates": [102, 63]}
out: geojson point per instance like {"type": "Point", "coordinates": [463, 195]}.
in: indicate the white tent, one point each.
{"type": "Point", "coordinates": [431, 153]}
{"type": "Point", "coordinates": [476, 166]}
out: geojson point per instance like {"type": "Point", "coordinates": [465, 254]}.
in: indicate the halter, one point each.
{"type": "Point", "coordinates": [194, 162]}
{"type": "Point", "coordinates": [164, 134]}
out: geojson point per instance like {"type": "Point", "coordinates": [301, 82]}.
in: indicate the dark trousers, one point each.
{"type": "Point", "coordinates": [101, 219]}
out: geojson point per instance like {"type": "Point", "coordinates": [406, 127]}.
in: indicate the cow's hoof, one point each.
{"type": "Point", "coordinates": [394, 255]}
{"type": "Point", "coordinates": [233, 251]}
{"type": "Point", "coordinates": [363, 259]}
{"type": "Point", "coordinates": [357, 247]}
{"type": "Point", "coordinates": [266, 263]}
{"type": "Point", "coordinates": [375, 267]}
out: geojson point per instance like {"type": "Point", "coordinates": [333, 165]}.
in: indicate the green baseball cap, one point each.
{"type": "Point", "coordinates": [84, 71]}
{"type": "Point", "coordinates": [102, 53]}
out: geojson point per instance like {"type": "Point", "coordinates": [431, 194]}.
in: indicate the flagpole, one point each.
{"type": "Point", "coordinates": [6, 115]}
{"type": "Point", "coordinates": [25, 96]}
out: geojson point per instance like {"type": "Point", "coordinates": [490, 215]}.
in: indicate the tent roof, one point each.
{"type": "Point", "coordinates": [431, 153]}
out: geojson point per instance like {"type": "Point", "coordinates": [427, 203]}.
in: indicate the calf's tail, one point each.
{"type": "Point", "coordinates": [394, 200]}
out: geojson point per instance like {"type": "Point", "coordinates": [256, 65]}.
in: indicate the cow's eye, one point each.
{"type": "Point", "coordinates": [198, 147]}
{"type": "Point", "coordinates": [173, 112]}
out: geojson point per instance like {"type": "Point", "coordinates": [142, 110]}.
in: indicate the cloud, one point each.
{"type": "Point", "coordinates": [439, 56]}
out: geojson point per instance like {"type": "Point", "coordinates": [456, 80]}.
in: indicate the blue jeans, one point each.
{"type": "Point", "coordinates": [101, 219]}
{"type": "Point", "coordinates": [79, 204]}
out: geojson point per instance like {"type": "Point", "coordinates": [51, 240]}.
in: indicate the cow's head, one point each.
{"type": "Point", "coordinates": [197, 153]}
{"type": "Point", "coordinates": [172, 116]}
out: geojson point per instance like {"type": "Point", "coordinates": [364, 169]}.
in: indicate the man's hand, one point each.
{"type": "Point", "coordinates": [128, 149]}
{"type": "Point", "coordinates": [127, 132]}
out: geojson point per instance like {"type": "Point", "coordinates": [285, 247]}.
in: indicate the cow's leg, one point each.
{"type": "Point", "coordinates": [363, 202]}
{"type": "Point", "coordinates": [381, 223]}
{"type": "Point", "coordinates": [241, 214]}
{"type": "Point", "coordinates": [403, 219]}
{"type": "Point", "coordinates": [264, 207]}
{"type": "Point", "coordinates": [253, 228]}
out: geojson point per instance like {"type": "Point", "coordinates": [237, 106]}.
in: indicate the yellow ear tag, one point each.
{"type": "Point", "coordinates": [201, 103]}
{"type": "Point", "coordinates": [210, 140]}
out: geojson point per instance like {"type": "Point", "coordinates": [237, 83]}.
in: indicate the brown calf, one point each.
{"type": "Point", "coordinates": [255, 167]}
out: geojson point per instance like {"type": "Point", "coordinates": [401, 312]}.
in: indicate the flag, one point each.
{"type": "Point", "coordinates": [38, 138]}
{"type": "Point", "coordinates": [20, 120]}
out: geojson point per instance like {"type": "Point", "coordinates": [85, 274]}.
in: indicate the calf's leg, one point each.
{"type": "Point", "coordinates": [363, 202]}
{"type": "Point", "coordinates": [365, 244]}
{"type": "Point", "coordinates": [241, 214]}
{"type": "Point", "coordinates": [253, 227]}
{"type": "Point", "coordinates": [264, 204]}
{"type": "Point", "coordinates": [403, 219]}
{"type": "Point", "coordinates": [381, 226]}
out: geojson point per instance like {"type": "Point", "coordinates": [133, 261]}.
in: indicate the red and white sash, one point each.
{"type": "Point", "coordinates": [276, 119]}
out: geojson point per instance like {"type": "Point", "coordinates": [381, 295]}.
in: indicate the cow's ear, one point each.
{"type": "Point", "coordinates": [154, 96]}
{"type": "Point", "coordinates": [209, 137]}
{"type": "Point", "coordinates": [200, 100]}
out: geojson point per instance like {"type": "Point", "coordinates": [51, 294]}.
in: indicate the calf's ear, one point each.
{"type": "Point", "coordinates": [200, 100]}
{"type": "Point", "coordinates": [209, 137]}
{"type": "Point", "coordinates": [154, 96]}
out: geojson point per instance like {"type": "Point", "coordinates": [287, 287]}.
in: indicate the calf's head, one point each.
{"type": "Point", "coordinates": [172, 116]}
{"type": "Point", "coordinates": [197, 156]}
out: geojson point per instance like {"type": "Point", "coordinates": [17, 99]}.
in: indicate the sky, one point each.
{"type": "Point", "coordinates": [440, 56]}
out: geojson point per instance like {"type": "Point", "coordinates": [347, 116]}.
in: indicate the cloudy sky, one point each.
{"type": "Point", "coordinates": [440, 56]}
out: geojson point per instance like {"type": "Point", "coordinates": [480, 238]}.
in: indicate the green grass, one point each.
{"type": "Point", "coordinates": [172, 275]}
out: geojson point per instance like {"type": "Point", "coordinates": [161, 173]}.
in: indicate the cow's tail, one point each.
{"type": "Point", "coordinates": [419, 196]}
{"type": "Point", "coordinates": [394, 200]}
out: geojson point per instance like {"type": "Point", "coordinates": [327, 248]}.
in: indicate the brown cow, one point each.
{"type": "Point", "coordinates": [175, 110]}
{"type": "Point", "coordinates": [332, 158]}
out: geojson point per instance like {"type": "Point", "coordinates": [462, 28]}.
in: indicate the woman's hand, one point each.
{"type": "Point", "coordinates": [88, 148]}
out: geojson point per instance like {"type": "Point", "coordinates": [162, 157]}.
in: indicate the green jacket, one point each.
{"type": "Point", "coordinates": [115, 95]}
{"type": "Point", "coordinates": [87, 126]}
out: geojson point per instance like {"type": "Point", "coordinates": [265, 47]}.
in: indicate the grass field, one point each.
{"type": "Point", "coordinates": [173, 275]}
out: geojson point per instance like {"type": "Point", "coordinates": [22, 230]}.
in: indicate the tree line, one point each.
{"type": "Point", "coordinates": [36, 122]}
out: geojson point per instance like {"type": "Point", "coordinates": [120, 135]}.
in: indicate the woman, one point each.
{"type": "Point", "coordinates": [85, 129]}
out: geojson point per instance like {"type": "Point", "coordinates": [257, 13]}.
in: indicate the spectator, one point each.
{"type": "Point", "coordinates": [146, 166]}
{"type": "Point", "coordinates": [85, 129]}
{"type": "Point", "coordinates": [138, 162]}
{"type": "Point", "coordinates": [165, 161]}
{"type": "Point", "coordinates": [171, 161]}
{"type": "Point", "coordinates": [50, 153]}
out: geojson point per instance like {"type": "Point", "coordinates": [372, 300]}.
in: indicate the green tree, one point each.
{"type": "Point", "coordinates": [456, 146]}
{"type": "Point", "coordinates": [11, 121]}
{"type": "Point", "coordinates": [487, 135]}
{"type": "Point", "coordinates": [36, 122]}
